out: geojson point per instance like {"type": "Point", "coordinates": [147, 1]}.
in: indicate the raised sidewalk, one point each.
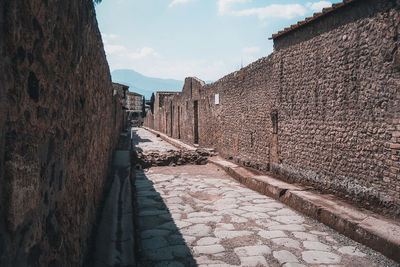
{"type": "Point", "coordinates": [371, 229]}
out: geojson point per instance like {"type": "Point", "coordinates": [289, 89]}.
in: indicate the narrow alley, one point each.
{"type": "Point", "coordinates": [197, 215]}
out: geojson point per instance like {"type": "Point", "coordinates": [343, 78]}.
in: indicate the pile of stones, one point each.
{"type": "Point", "coordinates": [144, 160]}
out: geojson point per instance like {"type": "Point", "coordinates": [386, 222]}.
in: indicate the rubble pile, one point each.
{"type": "Point", "coordinates": [145, 160]}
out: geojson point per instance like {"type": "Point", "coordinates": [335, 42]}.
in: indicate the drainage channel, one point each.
{"type": "Point", "coordinates": [115, 236]}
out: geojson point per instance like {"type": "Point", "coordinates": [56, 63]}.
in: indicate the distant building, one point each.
{"type": "Point", "coordinates": [134, 104]}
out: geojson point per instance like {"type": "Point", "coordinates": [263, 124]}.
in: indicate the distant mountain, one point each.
{"type": "Point", "coordinates": [144, 85]}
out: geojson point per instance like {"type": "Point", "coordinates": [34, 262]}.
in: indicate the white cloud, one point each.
{"type": "Point", "coordinates": [143, 52]}
{"type": "Point", "coordinates": [224, 5]}
{"type": "Point", "coordinates": [286, 11]}
{"type": "Point", "coordinates": [114, 49]}
{"type": "Point", "coordinates": [177, 2]}
{"type": "Point", "coordinates": [318, 6]}
{"type": "Point", "coordinates": [108, 37]}
{"type": "Point", "coordinates": [251, 50]}
{"type": "Point", "coordinates": [273, 11]}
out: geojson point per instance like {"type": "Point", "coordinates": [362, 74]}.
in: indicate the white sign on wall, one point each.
{"type": "Point", "coordinates": [216, 99]}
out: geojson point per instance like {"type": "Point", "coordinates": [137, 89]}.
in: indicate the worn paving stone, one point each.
{"type": "Point", "coordinates": [305, 236]}
{"type": "Point", "coordinates": [197, 230]}
{"type": "Point", "coordinates": [271, 234]}
{"type": "Point", "coordinates": [287, 242]}
{"type": "Point", "coordinates": [231, 234]}
{"type": "Point", "coordinates": [289, 219]}
{"type": "Point", "coordinates": [288, 227]}
{"type": "Point", "coordinates": [320, 257]}
{"type": "Point", "coordinates": [208, 241]}
{"type": "Point", "coordinates": [252, 251]}
{"type": "Point", "coordinates": [182, 224]}
{"type": "Point", "coordinates": [199, 214]}
{"type": "Point", "coordinates": [350, 250]}
{"type": "Point", "coordinates": [253, 261]}
{"type": "Point", "coordinates": [284, 256]}
{"type": "Point", "coordinates": [315, 245]}
{"type": "Point", "coordinates": [293, 264]}
{"type": "Point", "coordinates": [210, 249]}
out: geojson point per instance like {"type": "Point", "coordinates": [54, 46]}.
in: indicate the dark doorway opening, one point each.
{"type": "Point", "coordinates": [172, 120]}
{"type": "Point", "coordinates": [273, 152]}
{"type": "Point", "coordinates": [179, 122]}
{"type": "Point", "coordinates": [196, 121]}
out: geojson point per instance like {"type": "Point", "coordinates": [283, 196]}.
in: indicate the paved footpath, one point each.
{"type": "Point", "coordinates": [199, 216]}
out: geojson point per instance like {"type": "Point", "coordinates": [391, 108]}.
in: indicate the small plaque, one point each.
{"type": "Point", "coordinates": [216, 99]}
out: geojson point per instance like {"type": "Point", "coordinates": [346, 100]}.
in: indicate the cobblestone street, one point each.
{"type": "Point", "coordinates": [197, 215]}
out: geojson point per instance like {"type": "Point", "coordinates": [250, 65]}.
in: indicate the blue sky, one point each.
{"type": "Point", "coordinates": [203, 38]}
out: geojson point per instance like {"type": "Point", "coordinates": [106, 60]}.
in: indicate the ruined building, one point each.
{"type": "Point", "coordinates": [322, 109]}
{"type": "Point", "coordinates": [134, 104]}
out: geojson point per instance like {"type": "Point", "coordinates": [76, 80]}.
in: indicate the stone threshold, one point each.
{"type": "Point", "coordinates": [380, 233]}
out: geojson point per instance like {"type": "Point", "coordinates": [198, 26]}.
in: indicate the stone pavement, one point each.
{"type": "Point", "coordinates": [143, 140]}
{"type": "Point", "coordinates": [198, 215]}
{"type": "Point", "coordinates": [190, 215]}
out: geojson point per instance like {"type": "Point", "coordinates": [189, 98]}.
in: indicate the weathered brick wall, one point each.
{"type": "Point", "coordinates": [58, 126]}
{"type": "Point", "coordinates": [336, 100]}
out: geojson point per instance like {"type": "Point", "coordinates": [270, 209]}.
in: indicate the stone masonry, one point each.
{"type": "Point", "coordinates": [322, 109]}
{"type": "Point", "coordinates": [59, 124]}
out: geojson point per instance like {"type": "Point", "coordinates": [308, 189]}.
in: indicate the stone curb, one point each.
{"type": "Point", "coordinates": [368, 228]}
{"type": "Point", "coordinates": [179, 144]}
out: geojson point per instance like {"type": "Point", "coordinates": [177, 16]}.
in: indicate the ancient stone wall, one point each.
{"type": "Point", "coordinates": [58, 126]}
{"type": "Point", "coordinates": [323, 110]}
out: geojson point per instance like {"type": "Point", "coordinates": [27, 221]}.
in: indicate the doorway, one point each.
{"type": "Point", "coordinates": [196, 121]}
{"type": "Point", "coordinates": [172, 120]}
{"type": "Point", "coordinates": [273, 152]}
{"type": "Point", "coordinates": [179, 122]}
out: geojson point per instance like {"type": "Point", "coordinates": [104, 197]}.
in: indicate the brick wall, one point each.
{"type": "Point", "coordinates": [323, 110]}
{"type": "Point", "coordinates": [58, 126]}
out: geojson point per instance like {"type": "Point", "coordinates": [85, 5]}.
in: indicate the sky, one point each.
{"type": "Point", "coordinates": [204, 38]}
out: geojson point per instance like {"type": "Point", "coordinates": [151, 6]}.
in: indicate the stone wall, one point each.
{"type": "Point", "coordinates": [322, 110]}
{"type": "Point", "coordinates": [58, 126]}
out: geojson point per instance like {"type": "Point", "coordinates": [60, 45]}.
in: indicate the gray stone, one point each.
{"type": "Point", "coordinates": [293, 264]}
{"type": "Point", "coordinates": [253, 261]}
{"type": "Point", "coordinates": [197, 230]}
{"type": "Point", "coordinates": [350, 250]}
{"type": "Point", "coordinates": [289, 227]}
{"type": "Point", "coordinates": [284, 256]}
{"type": "Point", "coordinates": [305, 236]}
{"type": "Point", "coordinates": [211, 249]}
{"type": "Point", "coordinates": [271, 234]}
{"type": "Point", "coordinates": [207, 241]}
{"type": "Point", "coordinates": [252, 251]}
{"type": "Point", "coordinates": [231, 234]}
{"type": "Point", "coordinates": [287, 242]}
{"type": "Point", "coordinates": [182, 224]}
{"type": "Point", "coordinates": [321, 257]}
{"type": "Point", "coordinates": [315, 245]}
{"type": "Point", "coordinates": [289, 219]}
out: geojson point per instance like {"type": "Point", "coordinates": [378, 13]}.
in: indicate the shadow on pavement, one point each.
{"type": "Point", "coordinates": [137, 140]}
{"type": "Point", "coordinates": [160, 242]}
